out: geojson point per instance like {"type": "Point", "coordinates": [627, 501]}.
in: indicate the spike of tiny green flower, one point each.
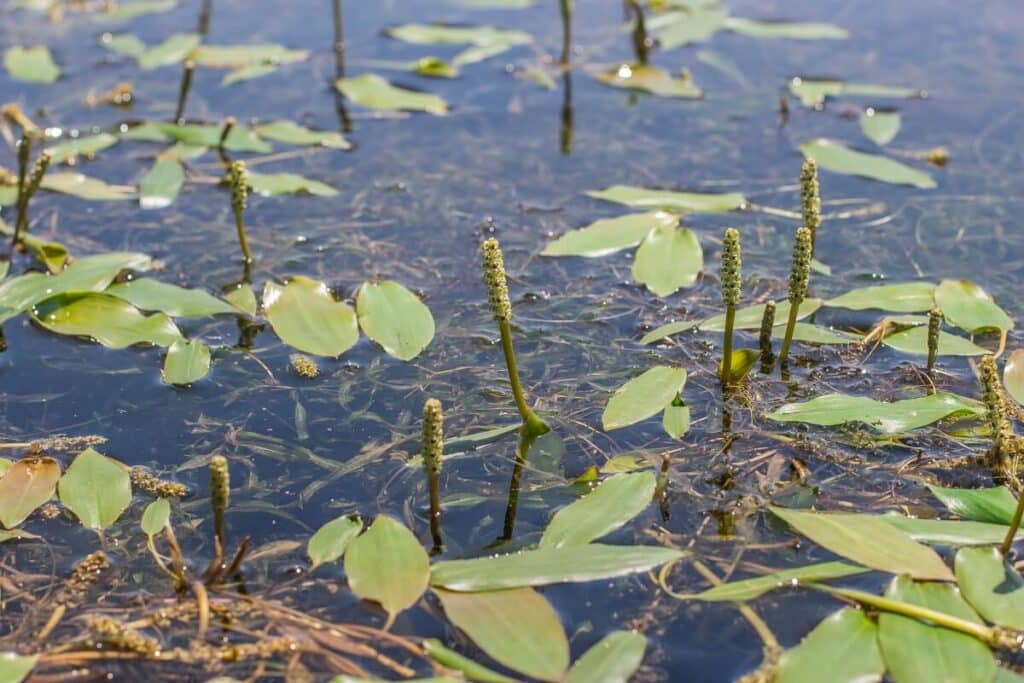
{"type": "Point", "coordinates": [934, 323]}
{"type": "Point", "coordinates": [238, 178]}
{"type": "Point", "coordinates": [810, 195]}
{"type": "Point", "coordinates": [799, 276]}
{"type": "Point", "coordinates": [731, 290]}
{"type": "Point", "coordinates": [765, 336]}
{"type": "Point", "coordinates": [220, 493]}
{"type": "Point", "coordinates": [433, 453]}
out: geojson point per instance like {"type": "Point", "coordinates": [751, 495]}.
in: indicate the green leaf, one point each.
{"type": "Point", "coordinates": [815, 334]}
{"type": "Point", "coordinates": [288, 183]}
{"type": "Point", "coordinates": [833, 156]}
{"type": "Point", "coordinates": [915, 651]}
{"type": "Point", "coordinates": [812, 92]}
{"type": "Point", "coordinates": [749, 317]}
{"type": "Point", "coordinates": [569, 564]}
{"type": "Point", "coordinates": [879, 125]}
{"type": "Point", "coordinates": [84, 187]}
{"type": "Point", "coordinates": [683, 202]}
{"type": "Point", "coordinates": [96, 488]}
{"type": "Point", "coordinates": [373, 92]}
{"type": "Point", "coordinates": [395, 318]}
{"type": "Point", "coordinates": [676, 420]}
{"type": "Point", "coordinates": [186, 362]}
{"type": "Point", "coordinates": [162, 183]}
{"type": "Point", "coordinates": [1013, 375]}
{"type": "Point", "coordinates": [478, 53]}
{"type": "Point", "coordinates": [330, 541]}
{"type": "Point", "coordinates": [108, 320]}
{"type": "Point", "coordinates": [85, 146]}
{"type": "Point", "coordinates": [156, 516]}
{"type": "Point", "coordinates": [676, 29]}
{"type": "Point", "coordinates": [123, 11]}
{"type": "Point", "coordinates": [906, 297]}
{"type": "Point", "coordinates": [786, 29]}
{"type": "Point", "coordinates": [991, 585]}
{"type": "Point", "coordinates": [517, 628]}
{"type": "Point", "coordinates": [171, 51]}
{"type": "Point", "coordinates": [650, 79]}
{"type": "Point", "coordinates": [844, 644]}
{"type": "Point", "coordinates": [26, 485]}
{"type": "Point", "coordinates": [306, 317]}
{"type": "Point", "coordinates": [748, 589]}
{"type": "Point", "coordinates": [291, 133]}
{"type": "Point", "coordinates": [461, 444]}
{"type": "Point", "coordinates": [668, 259]}
{"type": "Point", "coordinates": [14, 667]}
{"type": "Point", "coordinates": [889, 418]}
{"type": "Point", "coordinates": [869, 541]}
{"type": "Point", "coordinates": [743, 361]}
{"type": "Point", "coordinates": [947, 532]}
{"type": "Point", "coordinates": [242, 297]}
{"type": "Point", "coordinates": [127, 44]}
{"type": "Point", "coordinates": [613, 659]}
{"type": "Point", "coordinates": [241, 56]}
{"type": "Point", "coordinates": [643, 396]}
{"type": "Point", "coordinates": [995, 505]}
{"type": "Point", "coordinates": [179, 302]}
{"type": "Point", "coordinates": [387, 565]}
{"type": "Point", "coordinates": [609, 506]}
{"type": "Point", "coordinates": [433, 67]}
{"type": "Point", "coordinates": [453, 660]}
{"type": "Point", "coordinates": [609, 235]}
{"type": "Point", "coordinates": [32, 64]}
{"type": "Point", "coordinates": [969, 307]}
{"type": "Point", "coordinates": [239, 139]}
{"type": "Point", "coordinates": [440, 34]}
{"type": "Point", "coordinates": [915, 340]}
{"type": "Point", "coordinates": [247, 73]}
{"type": "Point", "coordinates": [16, 535]}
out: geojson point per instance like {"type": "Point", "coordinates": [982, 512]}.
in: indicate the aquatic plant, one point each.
{"type": "Point", "coordinates": [810, 199]}
{"type": "Point", "coordinates": [239, 182]}
{"type": "Point", "coordinates": [501, 308]}
{"type": "Point", "coordinates": [934, 325]}
{"type": "Point", "coordinates": [220, 493]}
{"type": "Point", "coordinates": [764, 337]}
{"type": "Point", "coordinates": [731, 290]}
{"type": "Point", "coordinates": [28, 184]}
{"type": "Point", "coordinates": [799, 275]}
{"type": "Point", "coordinates": [433, 454]}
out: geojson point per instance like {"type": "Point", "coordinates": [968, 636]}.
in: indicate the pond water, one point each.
{"type": "Point", "coordinates": [417, 195]}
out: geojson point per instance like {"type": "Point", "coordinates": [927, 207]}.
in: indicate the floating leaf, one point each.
{"type": "Point", "coordinates": [186, 362]}
{"type": "Point", "coordinates": [668, 259]}
{"type": "Point", "coordinates": [127, 44]}
{"type": "Point", "coordinates": [239, 139]}
{"type": "Point", "coordinates": [880, 125]}
{"type": "Point", "coordinates": [395, 318]}
{"type": "Point", "coordinates": [915, 340]}
{"type": "Point", "coordinates": [374, 92]}
{"type": "Point", "coordinates": [844, 644]}
{"type": "Point", "coordinates": [84, 187]}
{"type": "Point", "coordinates": [609, 235]}
{"type": "Point", "coordinates": [305, 316]}
{"type": "Point", "coordinates": [288, 183]}
{"type": "Point", "coordinates": [14, 667]}
{"type": "Point", "coordinates": [27, 484]}
{"type": "Point", "coordinates": [612, 504]}
{"type": "Point", "coordinates": [171, 51]}
{"type": "Point", "coordinates": [947, 532]}
{"type": "Point", "coordinates": [614, 659]}
{"type": "Point", "coordinates": [387, 565]}
{"type": "Point", "coordinates": [1013, 375]}
{"type": "Point", "coordinates": [995, 505]}
{"type": "Point", "coordinates": [786, 29]}
{"type": "Point", "coordinates": [869, 541]}
{"type": "Point", "coordinates": [915, 651]}
{"type": "Point", "coordinates": [111, 321]}
{"type": "Point", "coordinates": [123, 11]}
{"type": "Point", "coordinates": [991, 585]}
{"type": "Point", "coordinates": [248, 73]}
{"type": "Point", "coordinates": [749, 317]}
{"type": "Point", "coordinates": [541, 78]}
{"type": "Point", "coordinates": [242, 297]}
{"type": "Point", "coordinates": [84, 146]}
{"type": "Point", "coordinates": [748, 589]}
{"type": "Point", "coordinates": [643, 396]}
{"type": "Point", "coordinates": [32, 64]}
{"type": "Point", "coordinates": [812, 92]}
{"type": "Point", "coordinates": [833, 156]}
{"type": "Point", "coordinates": [292, 133]}
{"type": "Point", "coordinates": [240, 56]}
{"type": "Point", "coordinates": [95, 488]}
{"type": "Point", "coordinates": [440, 34]}
{"type": "Point", "coordinates": [969, 307]}
{"type": "Point", "coordinates": [569, 564]}
{"type": "Point", "coordinates": [178, 302]}
{"type": "Point", "coordinates": [453, 660]}
{"type": "Point", "coordinates": [478, 53]}
{"type": "Point", "coordinates": [682, 202]}
{"type": "Point", "coordinates": [517, 628]}
{"type": "Point", "coordinates": [887, 417]}
{"type": "Point", "coordinates": [330, 541]}
{"type": "Point", "coordinates": [160, 186]}
{"type": "Point", "coordinates": [676, 420]}
{"type": "Point", "coordinates": [906, 297]}
{"type": "Point", "coordinates": [433, 67]}
{"type": "Point", "coordinates": [815, 334]}
{"type": "Point", "coordinates": [675, 29]}
{"type": "Point", "coordinates": [156, 516]}
{"type": "Point", "coordinates": [650, 79]}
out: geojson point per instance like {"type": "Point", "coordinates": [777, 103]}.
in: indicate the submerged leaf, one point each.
{"type": "Point", "coordinates": [907, 297]}
{"type": "Point", "coordinates": [32, 64]}
{"type": "Point", "coordinates": [26, 485]}
{"type": "Point", "coordinates": [160, 186]}
{"type": "Point", "coordinates": [612, 504]}
{"type": "Point", "coordinates": [96, 488]}
{"type": "Point", "coordinates": [395, 318]}
{"type": "Point", "coordinates": [643, 396]}
{"type": "Point", "coordinates": [109, 320]}
{"type": "Point", "coordinates": [609, 235]}
{"type": "Point", "coordinates": [887, 417]}
{"type": "Point", "coordinates": [748, 589]}
{"type": "Point", "coordinates": [991, 585]}
{"type": "Point", "coordinates": [969, 307]}
{"type": "Point", "coordinates": [668, 259]}
{"type": "Point", "coordinates": [374, 92]}
{"type": "Point", "coordinates": [613, 659]}
{"type": "Point", "coordinates": [330, 541]}
{"type": "Point", "coordinates": [650, 79]}
{"type": "Point", "coordinates": [305, 316]}
{"type": "Point", "coordinates": [879, 125]}
{"type": "Point", "coordinates": [833, 156]}
{"type": "Point", "coordinates": [388, 565]}
{"type": "Point", "coordinates": [844, 644]}
{"type": "Point", "coordinates": [186, 362]}
{"type": "Point", "coordinates": [682, 202]}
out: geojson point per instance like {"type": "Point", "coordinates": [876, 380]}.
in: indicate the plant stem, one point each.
{"type": "Point", "coordinates": [730, 322]}
{"type": "Point", "coordinates": [532, 424]}
{"type": "Point", "coordinates": [566, 6]}
{"type": "Point", "coordinates": [1014, 525]}
{"type": "Point", "coordinates": [433, 482]}
{"type": "Point", "coordinates": [794, 312]}
{"type": "Point", "coordinates": [243, 240]}
{"type": "Point", "coordinates": [183, 90]}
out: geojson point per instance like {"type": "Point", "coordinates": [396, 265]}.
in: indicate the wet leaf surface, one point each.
{"type": "Point", "coordinates": [612, 504]}
{"type": "Point", "coordinates": [386, 564]}
{"type": "Point", "coordinates": [288, 183]}
{"type": "Point", "coordinates": [332, 539]}
{"type": "Point", "coordinates": [186, 362]}
{"type": "Point", "coordinates": [86, 146]}
{"type": "Point", "coordinates": [609, 235]}
{"type": "Point", "coordinates": [305, 316]}
{"type": "Point", "coordinates": [880, 126]}
{"type": "Point", "coordinates": [991, 585]}
{"type": "Point", "coordinates": [667, 200]}
{"type": "Point", "coordinates": [650, 79]}
{"type": "Point", "coordinates": [156, 516]}
{"type": "Point", "coordinates": [669, 258]}
{"type": "Point", "coordinates": [909, 297]}
{"type": "Point", "coordinates": [291, 133]}
{"type": "Point", "coordinates": [33, 64]}
{"type": "Point", "coordinates": [160, 186]}
{"type": "Point", "coordinates": [749, 589]}
{"type": "Point", "coordinates": [915, 340]}
{"type": "Point", "coordinates": [995, 505]}
{"type": "Point", "coordinates": [96, 489]}
{"type": "Point", "coordinates": [395, 318]}
{"type": "Point", "coordinates": [887, 417]}
{"type": "Point", "coordinates": [106, 319]}
{"type": "Point", "coordinates": [613, 659]}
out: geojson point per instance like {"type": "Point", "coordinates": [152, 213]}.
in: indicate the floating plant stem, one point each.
{"type": "Point", "coordinates": [501, 307]}
{"type": "Point", "coordinates": [810, 195]}
{"type": "Point", "coordinates": [239, 181]}
{"type": "Point", "coordinates": [433, 450]}
{"type": "Point", "coordinates": [731, 289]}
{"type": "Point", "coordinates": [799, 276]}
{"type": "Point", "coordinates": [934, 323]}
{"type": "Point", "coordinates": [764, 338]}
{"type": "Point", "coordinates": [220, 491]}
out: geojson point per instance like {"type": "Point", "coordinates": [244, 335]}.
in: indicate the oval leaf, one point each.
{"type": "Point", "coordinates": [880, 126]}
{"type": "Point", "coordinates": [681, 202]}
{"type": "Point", "coordinates": [613, 503]}
{"type": "Point", "coordinates": [96, 488]}
{"type": "Point", "coordinates": [306, 317]}
{"type": "Point", "coordinates": [186, 362]}
{"type": "Point", "coordinates": [27, 484]}
{"type": "Point", "coordinates": [179, 302]}
{"type": "Point", "coordinates": [156, 516]}
{"type": "Point", "coordinates": [33, 64]}
{"type": "Point", "coordinates": [387, 565]}
{"type": "Point", "coordinates": [160, 186]}
{"type": "Point", "coordinates": [915, 340]}
{"type": "Point", "coordinates": [373, 92]}
{"type": "Point", "coordinates": [995, 505]}
{"type": "Point", "coordinates": [395, 318]}
{"type": "Point", "coordinates": [643, 396]}
{"type": "Point", "coordinates": [331, 540]}
{"type": "Point", "coordinates": [669, 258]}
{"type": "Point", "coordinates": [969, 307]}
{"type": "Point", "coordinates": [1013, 375]}
{"type": "Point", "coordinates": [888, 418]}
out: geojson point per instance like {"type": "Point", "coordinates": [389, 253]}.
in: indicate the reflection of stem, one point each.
{"type": "Point", "coordinates": [532, 425]}
{"type": "Point", "coordinates": [1014, 525]}
{"type": "Point", "coordinates": [730, 323]}
{"type": "Point", "coordinates": [639, 33]}
{"type": "Point", "coordinates": [567, 113]}
{"type": "Point", "coordinates": [339, 64]}
{"type": "Point", "coordinates": [525, 442]}
{"type": "Point", "coordinates": [566, 6]}
{"type": "Point", "coordinates": [204, 17]}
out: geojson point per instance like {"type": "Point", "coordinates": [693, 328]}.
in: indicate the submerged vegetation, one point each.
{"type": "Point", "coordinates": [292, 504]}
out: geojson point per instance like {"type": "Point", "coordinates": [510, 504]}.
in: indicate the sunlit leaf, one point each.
{"type": "Point", "coordinates": [451, 659]}
{"type": "Point", "coordinates": [675, 29]}
{"type": "Point", "coordinates": [122, 11]}
{"type": "Point", "coordinates": [815, 334]}
{"type": "Point", "coordinates": [608, 235]}
{"type": "Point", "coordinates": [786, 29]}
{"type": "Point", "coordinates": [682, 202]}
{"type": "Point", "coordinates": [186, 362]}
{"type": "Point", "coordinates": [887, 417]}
{"type": "Point", "coordinates": [650, 79]}
{"type": "Point", "coordinates": [748, 589]}
{"type": "Point", "coordinates": [835, 157]}
{"type": "Point", "coordinates": [96, 488]}
{"type": "Point", "coordinates": [288, 183]}
{"type": "Point", "coordinates": [869, 541]}
{"type": "Point", "coordinates": [14, 667]}
{"type": "Point", "coordinates": [478, 53]}
{"type": "Point", "coordinates": [27, 484]}
{"type": "Point", "coordinates": [32, 64]}
{"type": "Point", "coordinates": [305, 316]}
{"type": "Point", "coordinates": [240, 56]}
{"type": "Point", "coordinates": [947, 532]}
{"type": "Point", "coordinates": [613, 659]}
{"type": "Point", "coordinates": [609, 506]}
{"type": "Point", "coordinates": [1013, 375]}
{"type": "Point", "coordinates": [907, 297]}
{"type": "Point", "coordinates": [374, 92]}
{"type": "Point", "coordinates": [915, 340]}
{"type": "Point", "coordinates": [517, 628]}
{"type": "Point", "coordinates": [171, 51]}
{"type": "Point", "coordinates": [85, 187]}
{"type": "Point", "coordinates": [292, 133]}
{"type": "Point", "coordinates": [242, 297]}
{"type": "Point", "coordinates": [995, 505]}
{"type": "Point", "coordinates": [440, 34]}
{"type": "Point", "coordinates": [239, 139]}
{"type": "Point", "coordinates": [86, 146]}
{"type": "Point", "coordinates": [880, 125]}
{"type": "Point", "coordinates": [969, 307]}
{"type": "Point", "coordinates": [813, 92]}
{"type": "Point", "coordinates": [388, 565]}
{"type": "Point", "coordinates": [160, 186]}
{"type": "Point", "coordinates": [127, 44]}
{"type": "Point", "coordinates": [179, 302]}
{"type": "Point", "coordinates": [395, 318]}
{"type": "Point", "coordinates": [991, 585]}
{"type": "Point", "coordinates": [676, 420]}
{"type": "Point", "coordinates": [643, 396]}
{"type": "Point", "coordinates": [111, 321]}
{"type": "Point", "coordinates": [156, 516]}
{"type": "Point", "coordinates": [668, 259]}
{"type": "Point", "coordinates": [248, 73]}
{"type": "Point", "coordinates": [330, 541]}
{"type": "Point", "coordinates": [844, 644]}
{"type": "Point", "coordinates": [749, 317]}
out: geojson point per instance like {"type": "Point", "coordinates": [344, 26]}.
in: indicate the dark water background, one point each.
{"type": "Point", "coordinates": [417, 196]}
